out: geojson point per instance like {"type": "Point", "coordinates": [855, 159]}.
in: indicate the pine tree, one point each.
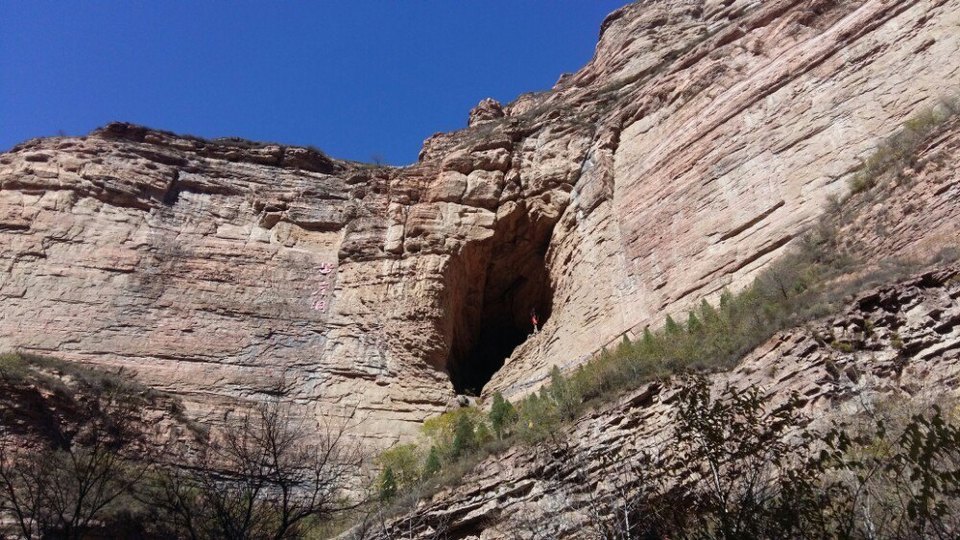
{"type": "Point", "coordinates": [726, 300]}
{"type": "Point", "coordinates": [649, 342]}
{"type": "Point", "coordinates": [502, 414]}
{"type": "Point", "coordinates": [693, 324]}
{"type": "Point", "coordinates": [464, 437]}
{"type": "Point", "coordinates": [432, 465]}
{"type": "Point", "coordinates": [482, 433]}
{"type": "Point", "coordinates": [708, 314]}
{"type": "Point", "coordinates": [388, 484]}
{"type": "Point", "coordinates": [564, 393]}
{"type": "Point", "coordinates": [672, 327]}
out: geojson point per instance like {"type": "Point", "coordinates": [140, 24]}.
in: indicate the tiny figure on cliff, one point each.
{"type": "Point", "coordinates": [535, 321]}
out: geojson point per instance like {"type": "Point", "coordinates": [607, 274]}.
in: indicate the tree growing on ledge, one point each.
{"type": "Point", "coordinates": [502, 415]}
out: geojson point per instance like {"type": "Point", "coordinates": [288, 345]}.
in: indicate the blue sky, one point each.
{"type": "Point", "coordinates": [355, 78]}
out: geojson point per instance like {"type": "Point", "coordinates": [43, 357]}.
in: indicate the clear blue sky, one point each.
{"type": "Point", "coordinates": [354, 78]}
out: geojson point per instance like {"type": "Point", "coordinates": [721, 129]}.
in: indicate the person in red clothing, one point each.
{"type": "Point", "coordinates": [534, 320]}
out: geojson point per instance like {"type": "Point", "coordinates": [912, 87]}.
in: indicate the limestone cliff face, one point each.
{"type": "Point", "coordinates": [896, 344]}
{"type": "Point", "coordinates": [902, 341]}
{"type": "Point", "coordinates": [702, 137]}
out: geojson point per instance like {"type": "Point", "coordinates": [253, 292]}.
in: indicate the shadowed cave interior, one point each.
{"type": "Point", "coordinates": [504, 280]}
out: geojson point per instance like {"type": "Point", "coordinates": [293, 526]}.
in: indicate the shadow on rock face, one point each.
{"type": "Point", "coordinates": [495, 290]}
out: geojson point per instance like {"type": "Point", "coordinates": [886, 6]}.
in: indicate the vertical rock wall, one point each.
{"type": "Point", "coordinates": [684, 157]}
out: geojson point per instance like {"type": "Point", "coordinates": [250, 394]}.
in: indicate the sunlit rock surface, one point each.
{"type": "Point", "coordinates": [683, 158]}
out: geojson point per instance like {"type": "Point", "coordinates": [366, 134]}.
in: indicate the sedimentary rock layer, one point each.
{"type": "Point", "coordinates": [895, 344]}
{"type": "Point", "coordinates": [701, 138]}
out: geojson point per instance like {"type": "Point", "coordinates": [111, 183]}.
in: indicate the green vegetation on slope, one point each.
{"type": "Point", "coordinates": [741, 465]}
{"type": "Point", "coordinates": [51, 400]}
{"type": "Point", "coordinates": [809, 281]}
{"type": "Point", "coordinates": [900, 149]}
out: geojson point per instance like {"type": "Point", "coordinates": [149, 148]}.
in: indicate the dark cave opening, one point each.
{"type": "Point", "coordinates": [502, 285]}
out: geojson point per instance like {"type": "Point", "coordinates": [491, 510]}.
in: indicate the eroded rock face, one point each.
{"type": "Point", "coordinates": [898, 343]}
{"type": "Point", "coordinates": [487, 110]}
{"type": "Point", "coordinates": [698, 142]}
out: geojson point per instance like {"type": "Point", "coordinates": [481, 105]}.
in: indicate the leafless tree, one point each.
{"type": "Point", "coordinates": [68, 489]}
{"type": "Point", "coordinates": [399, 519]}
{"type": "Point", "coordinates": [266, 476]}
{"type": "Point", "coordinates": [619, 509]}
{"type": "Point", "coordinates": [377, 523]}
{"type": "Point", "coordinates": [23, 498]}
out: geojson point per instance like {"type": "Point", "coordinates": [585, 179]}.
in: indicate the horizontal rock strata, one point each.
{"type": "Point", "coordinates": [896, 343]}
{"type": "Point", "coordinates": [701, 138]}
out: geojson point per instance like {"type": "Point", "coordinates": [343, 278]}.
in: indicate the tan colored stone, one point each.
{"type": "Point", "coordinates": [700, 139]}
{"type": "Point", "coordinates": [553, 484]}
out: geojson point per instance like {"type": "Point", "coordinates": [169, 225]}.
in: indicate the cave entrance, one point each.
{"type": "Point", "coordinates": [504, 284]}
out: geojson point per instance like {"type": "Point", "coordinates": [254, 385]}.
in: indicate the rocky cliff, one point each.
{"type": "Point", "coordinates": [700, 140]}
{"type": "Point", "coordinates": [898, 343]}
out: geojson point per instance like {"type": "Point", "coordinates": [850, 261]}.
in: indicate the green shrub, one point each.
{"type": "Point", "coordinates": [12, 366]}
{"type": "Point", "coordinates": [896, 341]}
{"type": "Point", "coordinates": [388, 484]}
{"type": "Point", "coordinates": [538, 417]}
{"type": "Point", "coordinates": [502, 415]}
{"type": "Point", "coordinates": [432, 465]}
{"type": "Point", "coordinates": [403, 461]}
{"type": "Point", "coordinates": [842, 346]}
{"type": "Point", "coordinates": [441, 431]}
{"type": "Point", "coordinates": [900, 149]}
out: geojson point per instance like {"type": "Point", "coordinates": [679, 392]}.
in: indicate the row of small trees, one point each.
{"type": "Point", "coordinates": [900, 150]}
{"type": "Point", "coordinates": [738, 465]}
{"type": "Point", "coordinates": [711, 339]}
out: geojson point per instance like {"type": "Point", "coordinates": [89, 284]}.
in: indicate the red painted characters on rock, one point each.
{"type": "Point", "coordinates": [326, 271]}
